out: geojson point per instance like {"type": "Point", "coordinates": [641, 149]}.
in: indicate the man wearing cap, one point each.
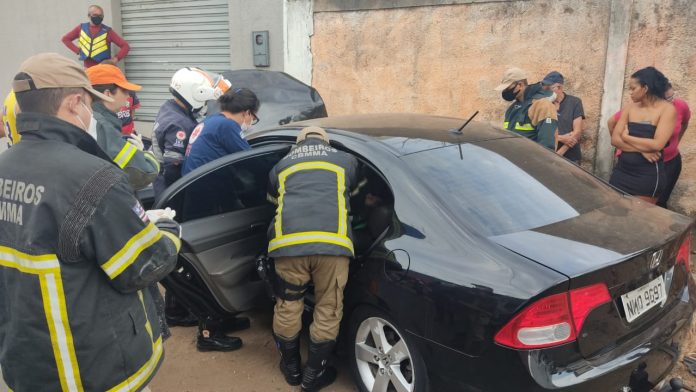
{"type": "Point", "coordinates": [532, 113]}
{"type": "Point", "coordinates": [570, 116]}
{"type": "Point", "coordinates": [311, 241]}
{"type": "Point", "coordinates": [141, 166]}
{"type": "Point", "coordinates": [76, 247]}
{"type": "Point", "coordinates": [94, 40]}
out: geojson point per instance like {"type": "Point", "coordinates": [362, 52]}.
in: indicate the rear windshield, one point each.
{"type": "Point", "coordinates": [508, 185]}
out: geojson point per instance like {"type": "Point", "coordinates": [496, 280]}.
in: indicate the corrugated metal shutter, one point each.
{"type": "Point", "coordinates": [167, 35]}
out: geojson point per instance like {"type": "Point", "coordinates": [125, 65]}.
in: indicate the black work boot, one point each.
{"type": "Point", "coordinates": [316, 375]}
{"type": "Point", "coordinates": [210, 339]}
{"type": "Point", "coordinates": [176, 314]}
{"type": "Point", "coordinates": [290, 361]}
{"type": "Point", "coordinates": [231, 324]}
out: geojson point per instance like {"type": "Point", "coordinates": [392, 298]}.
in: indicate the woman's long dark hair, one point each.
{"type": "Point", "coordinates": [239, 100]}
{"type": "Point", "coordinates": [656, 82]}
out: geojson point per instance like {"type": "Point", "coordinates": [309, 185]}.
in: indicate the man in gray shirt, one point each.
{"type": "Point", "coordinates": [570, 116]}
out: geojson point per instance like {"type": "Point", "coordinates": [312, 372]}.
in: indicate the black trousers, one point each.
{"type": "Point", "coordinates": [672, 172]}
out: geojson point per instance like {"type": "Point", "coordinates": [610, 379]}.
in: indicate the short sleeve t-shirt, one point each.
{"type": "Point", "coordinates": [570, 109]}
{"type": "Point", "coordinates": [214, 138]}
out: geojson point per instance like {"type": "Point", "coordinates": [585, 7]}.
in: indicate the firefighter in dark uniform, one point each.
{"type": "Point", "coordinates": [192, 88]}
{"type": "Point", "coordinates": [76, 248]}
{"type": "Point", "coordinates": [310, 240]}
{"type": "Point", "coordinates": [141, 166]}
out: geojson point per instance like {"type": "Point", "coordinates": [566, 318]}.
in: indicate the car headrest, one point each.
{"type": "Point", "coordinates": [379, 219]}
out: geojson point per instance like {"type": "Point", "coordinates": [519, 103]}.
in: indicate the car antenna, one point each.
{"type": "Point", "coordinates": [459, 132]}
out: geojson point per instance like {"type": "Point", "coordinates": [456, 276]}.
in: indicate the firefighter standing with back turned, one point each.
{"type": "Point", "coordinates": [310, 240]}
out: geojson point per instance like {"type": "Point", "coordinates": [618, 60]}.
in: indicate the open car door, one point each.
{"type": "Point", "coordinates": [224, 215]}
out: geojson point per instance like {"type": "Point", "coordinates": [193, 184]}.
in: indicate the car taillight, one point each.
{"type": "Point", "coordinates": [584, 300]}
{"type": "Point", "coordinates": [552, 320]}
{"type": "Point", "coordinates": [684, 252]}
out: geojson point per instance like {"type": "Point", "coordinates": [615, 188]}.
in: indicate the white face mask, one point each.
{"type": "Point", "coordinates": [92, 128]}
{"type": "Point", "coordinates": [553, 97]}
{"type": "Point", "coordinates": [245, 130]}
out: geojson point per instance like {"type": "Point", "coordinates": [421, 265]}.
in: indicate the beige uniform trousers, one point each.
{"type": "Point", "coordinates": [329, 275]}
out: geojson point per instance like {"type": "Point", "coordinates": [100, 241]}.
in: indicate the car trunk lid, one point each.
{"type": "Point", "coordinates": [625, 245]}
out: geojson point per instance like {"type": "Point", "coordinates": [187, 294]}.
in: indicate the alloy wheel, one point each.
{"type": "Point", "coordinates": [383, 359]}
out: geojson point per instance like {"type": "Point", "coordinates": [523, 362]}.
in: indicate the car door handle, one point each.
{"type": "Point", "coordinates": [256, 226]}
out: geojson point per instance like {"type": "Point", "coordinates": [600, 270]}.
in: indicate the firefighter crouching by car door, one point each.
{"type": "Point", "coordinates": [76, 248]}
{"type": "Point", "coordinates": [310, 240]}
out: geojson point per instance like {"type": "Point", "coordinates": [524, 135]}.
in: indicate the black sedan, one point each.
{"type": "Point", "coordinates": [488, 264]}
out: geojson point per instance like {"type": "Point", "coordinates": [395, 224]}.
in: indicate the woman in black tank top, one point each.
{"type": "Point", "coordinates": [641, 133]}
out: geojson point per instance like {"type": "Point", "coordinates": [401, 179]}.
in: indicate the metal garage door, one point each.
{"type": "Point", "coordinates": [166, 35]}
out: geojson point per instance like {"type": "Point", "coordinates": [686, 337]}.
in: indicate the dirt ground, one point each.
{"type": "Point", "coordinates": [253, 368]}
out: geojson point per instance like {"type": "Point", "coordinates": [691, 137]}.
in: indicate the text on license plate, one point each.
{"type": "Point", "coordinates": [644, 298]}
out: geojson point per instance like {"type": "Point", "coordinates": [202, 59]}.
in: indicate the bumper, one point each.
{"type": "Point", "coordinates": [637, 365]}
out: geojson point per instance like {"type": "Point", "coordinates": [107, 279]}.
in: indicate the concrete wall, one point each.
{"type": "Point", "coordinates": [259, 15]}
{"type": "Point", "coordinates": [446, 59]}
{"type": "Point", "coordinates": [34, 26]}
{"type": "Point", "coordinates": [662, 35]}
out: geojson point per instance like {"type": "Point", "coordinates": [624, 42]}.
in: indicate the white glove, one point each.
{"type": "Point", "coordinates": [155, 215]}
{"type": "Point", "coordinates": [136, 140]}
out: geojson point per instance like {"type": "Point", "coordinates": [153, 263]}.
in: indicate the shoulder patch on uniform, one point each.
{"type": "Point", "coordinates": [196, 132]}
{"type": "Point", "coordinates": [181, 135]}
{"type": "Point", "coordinates": [140, 212]}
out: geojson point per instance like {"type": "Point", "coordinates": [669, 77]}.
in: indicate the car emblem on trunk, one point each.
{"type": "Point", "coordinates": [655, 259]}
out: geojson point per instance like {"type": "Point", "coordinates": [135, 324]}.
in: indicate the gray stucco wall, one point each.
{"type": "Point", "coordinates": [34, 26]}
{"type": "Point", "coordinates": [247, 16]}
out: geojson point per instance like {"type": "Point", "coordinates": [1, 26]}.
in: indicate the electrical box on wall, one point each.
{"type": "Point", "coordinates": [259, 43]}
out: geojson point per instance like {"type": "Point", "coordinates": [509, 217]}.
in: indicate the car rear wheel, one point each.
{"type": "Point", "coordinates": [382, 360]}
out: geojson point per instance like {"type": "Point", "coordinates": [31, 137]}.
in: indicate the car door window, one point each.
{"type": "Point", "coordinates": [232, 187]}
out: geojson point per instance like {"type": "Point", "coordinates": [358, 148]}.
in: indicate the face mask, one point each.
{"type": "Point", "coordinates": [245, 130]}
{"type": "Point", "coordinates": [96, 19]}
{"type": "Point", "coordinates": [509, 94]}
{"type": "Point", "coordinates": [92, 128]}
{"type": "Point", "coordinates": [553, 97]}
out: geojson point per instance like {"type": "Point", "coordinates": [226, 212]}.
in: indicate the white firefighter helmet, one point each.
{"type": "Point", "coordinates": [194, 87]}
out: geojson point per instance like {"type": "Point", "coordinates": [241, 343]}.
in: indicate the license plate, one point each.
{"type": "Point", "coordinates": [644, 298]}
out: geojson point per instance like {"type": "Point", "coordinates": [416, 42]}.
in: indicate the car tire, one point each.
{"type": "Point", "coordinates": [380, 360]}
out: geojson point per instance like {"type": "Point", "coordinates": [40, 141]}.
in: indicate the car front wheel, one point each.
{"type": "Point", "coordinates": [382, 360]}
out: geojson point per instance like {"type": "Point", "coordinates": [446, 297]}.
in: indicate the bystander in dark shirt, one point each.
{"type": "Point", "coordinates": [570, 109]}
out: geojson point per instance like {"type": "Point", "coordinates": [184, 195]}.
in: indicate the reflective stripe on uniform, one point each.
{"type": "Point", "coordinates": [520, 127]}
{"type": "Point", "coordinates": [124, 156]}
{"type": "Point", "coordinates": [339, 238]}
{"type": "Point", "coordinates": [307, 237]}
{"type": "Point", "coordinates": [173, 237]}
{"type": "Point", "coordinates": [99, 45]}
{"type": "Point", "coordinates": [137, 379]}
{"type": "Point", "coordinates": [47, 267]}
{"type": "Point", "coordinates": [127, 255]}
{"type": "Point", "coordinates": [84, 43]}
{"type": "Point", "coordinates": [150, 157]}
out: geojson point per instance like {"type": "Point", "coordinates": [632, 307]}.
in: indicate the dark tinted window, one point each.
{"type": "Point", "coordinates": [507, 185]}
{"type": "Point", "coordinates": [229, 188]}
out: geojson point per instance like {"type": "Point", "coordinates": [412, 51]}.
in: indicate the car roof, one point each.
{"type": "Point", "coordinates": [405, 133]}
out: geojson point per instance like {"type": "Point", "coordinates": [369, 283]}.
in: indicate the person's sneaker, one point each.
{"type": "Point", "coordinates": [187, 320]}
{"type": "Point", "coordinates": [218, 343]}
